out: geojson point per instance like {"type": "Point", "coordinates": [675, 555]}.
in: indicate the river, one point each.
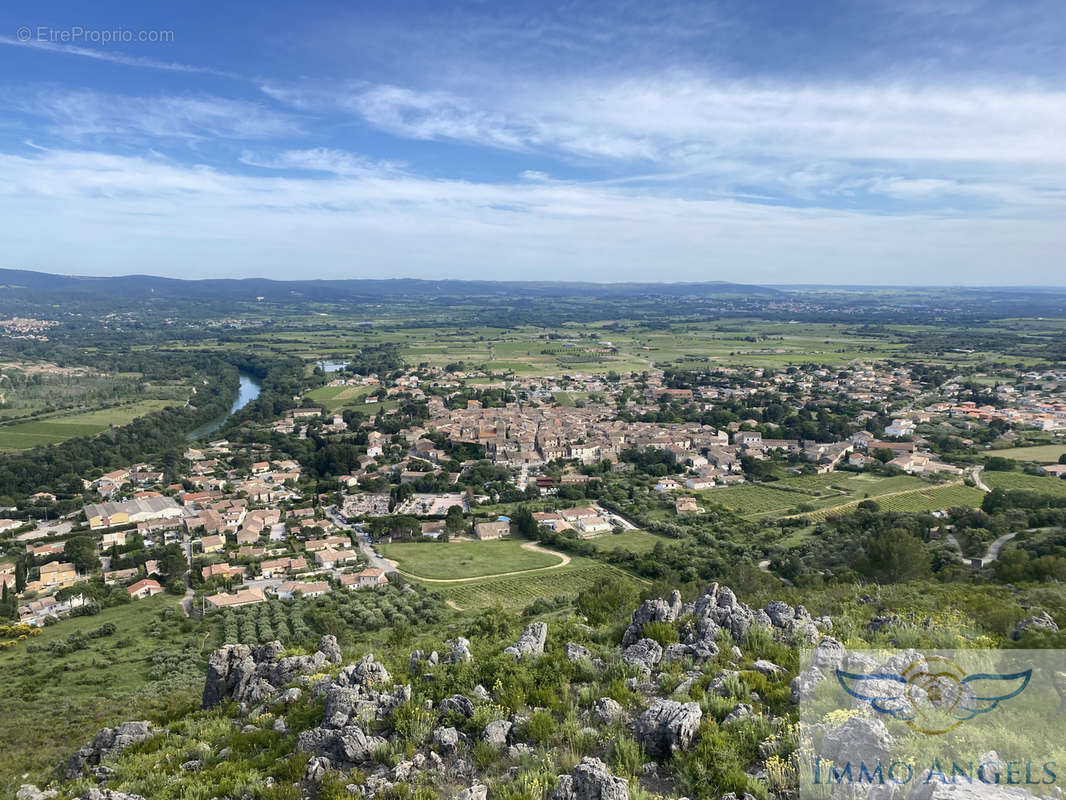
{"type": "Point", "coordinates": [248, 391]}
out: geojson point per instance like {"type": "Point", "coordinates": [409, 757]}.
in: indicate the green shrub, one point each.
{"type": "Point", "coordinates": [662, 632]}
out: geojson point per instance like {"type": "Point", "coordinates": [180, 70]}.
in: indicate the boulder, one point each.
{"type": "Point", "coordinates": [740, 711]}
{"type": "Point", "coordinates": [481, 693]}
{"type": "Point", "coordinates": [28, 791]}
{"type": "Point", "coordinates": [107, 794]}
{"type": "Point", "coordinates": [530, 643]}
{"type": "Point", "coordinates": [249, 675]}
{"type": "Point", "coordinates": [780, 613]}
{"type": "Point", "coordinates": [768, 668]}
{"type": "Point", "coordinates": [668, 726]}
{"type": "Point", "coordinates": [591, 780]}
{"type": "Point", "coordinates": [327, 646]}
{"type": "Point", "coordinates": [645, 653]}
{"type": "Point", "coordinates": [575, 652]}
{"type": "Point", "coordinates": [605, 710]}
{"type": "Point", "coordinates": [458, 651]}
{"type": "Point", "coordinates": [348, 745]}
{"type": "Point", "coordinates": [1039, 622]}
{"type": "Point", "coordinates": [857, 739]}
{"type": "Point", "coordinates": [459, 704]}
{"type": "Point", "coordinates": [496, 733]}
{"type": "Point", "coordinates": [478, 791]}
{"type": "Point", "coordinates": [109, 742]}
{"type": "Point", "coordinates": [447, 739]}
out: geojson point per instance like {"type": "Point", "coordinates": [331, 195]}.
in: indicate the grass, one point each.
{"type": "Point", "coordinates": [1045, 454]}
{"type": "Point", "coordinates": [1045, 484]}
{"type": "Point", "coordinates": [465, 559]}
{"type": "Point", "coordinates": [518, 591]}
{"type": "Point", "coordinates": [55, 703]}
{"type": "Point", "coordinates": [631, 541]}
{"type": "Point", "coordinates": [22, 435]}
{"type": "Point", "coordinates": [334, 398]}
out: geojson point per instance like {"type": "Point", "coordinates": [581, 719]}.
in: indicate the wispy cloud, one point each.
{"type": "Point", "coordinates": [91, 115]}
{"type": "Point", "coordinates": [116, 57]}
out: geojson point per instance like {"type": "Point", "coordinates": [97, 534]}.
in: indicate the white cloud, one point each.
{"type": "Point", "coordinates": [86, 114]}
{"type": "Point", "coordinates": [75, 211]}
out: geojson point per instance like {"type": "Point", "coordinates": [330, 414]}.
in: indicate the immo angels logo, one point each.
{"type": "Point", "coordinates": [933, 695]}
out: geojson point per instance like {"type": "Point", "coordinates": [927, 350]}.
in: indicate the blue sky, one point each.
{"type": "Point", "coordinates": [885, 141]}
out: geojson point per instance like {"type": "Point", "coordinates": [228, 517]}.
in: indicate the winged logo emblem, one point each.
{"type": "Point", "coordinates": [933, 695]}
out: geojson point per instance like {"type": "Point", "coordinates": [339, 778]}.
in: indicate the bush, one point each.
{"type": "Point", "coordinates": [662, 632]}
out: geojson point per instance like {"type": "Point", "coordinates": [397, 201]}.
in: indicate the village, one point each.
{"type": "Point", "coordinates": [240, 523]}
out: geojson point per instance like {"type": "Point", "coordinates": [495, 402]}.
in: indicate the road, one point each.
{"type": "Point", "coordinates": [975, 473]}
{"type": "Point", "coordinates": [993, 549]}
{"type": "Point", "coordinates": [373, 560]}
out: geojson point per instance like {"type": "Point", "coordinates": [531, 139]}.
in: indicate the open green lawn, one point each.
{"type": "Point", "coordinates": [1046, 484]}
{"type": "Point", "coordinates": [334, 398]}
{"type": "Point", "coordinates": [1043, 454]}
{"type": "Point", "coordinates": [55, 703]}
{"type": "Point", "coordinates": [518, 591]}
{"type": "Point", "coordinates": [446, 560]}
{"type": "Point", "coordinates": [632, 541]}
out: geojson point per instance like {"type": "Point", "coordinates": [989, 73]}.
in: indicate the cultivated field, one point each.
{"type": "Point", "coordinates": [58, 428]}
{"type": "Point", "coordinates": [931, 499]}
{"type": "Point", "coordinates": [632, 541]}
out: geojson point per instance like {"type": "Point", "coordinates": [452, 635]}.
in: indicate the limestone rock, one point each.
{"type": "Point", "coordinates": [530, 643]}
{"type": "Point", "coordinates": [1041, 621]}
{"type": "Point", "coordinates": [328, 647]}
{"type": "Point", "coordinates": [605, 710]}
{"type": "Point", "coordinates": [591, 780]}
{"type": "Point", "coordinates": [668, 726]}
{"type": "Point", "coordinates": [109, 742]}
{"type": "Point", "coordinates": [496, 733]}
{"type": "Point", "coordinates": [645, 653]}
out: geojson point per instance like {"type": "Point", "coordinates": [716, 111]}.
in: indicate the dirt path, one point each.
{"type": "Point", "coordinates": [564, 560]}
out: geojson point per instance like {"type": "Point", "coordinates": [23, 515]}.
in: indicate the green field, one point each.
{"type": "Point", "coordinates": [518, 591]}
{"type": "Point", "coordinates": [334, 398]}
{"type": "Point", "coordinates": [22, 435]}
{"type": "Point", "coordinates": [447, 560]}
{"type": "Point", "coordinates": [54, 702]}
{"type": "Point", "coordinates": [1045, 484]}
{"type": "Point", "coordinates": [1044, 454]}
{"type": "Point", "coordinates": [631, 541]}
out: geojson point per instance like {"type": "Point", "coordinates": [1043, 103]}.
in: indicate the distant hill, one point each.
{"type": "Point", "coordinates": [27, 282]}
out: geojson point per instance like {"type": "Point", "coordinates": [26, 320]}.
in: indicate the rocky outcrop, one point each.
{"type": "Point", "coordinates": [349, 745]}
{"type": "Point", "coordinates": [531, 643]}
{"type": "Point", "coordinates": [328, 647]}
{"type": "Point", "coordinates": [857, 739]}
{"type": "Point", "coordinates": [645, 654]}
{"type": "Point", "coordinates": [249, 675]}
{"type": "Point", "coordinates": [827, 656]}
{"type": "Point", "coordinates": [478, 791]}
{"type": "Point", "coordinates": [1037, 622]}
{"type": "Point", "coordinates": [657, 610]}
{"type": "Point", "coordinates": [109, 742]}
{"type": "Point", "coordinates": [591, 780]}
{"type": "Point", "coordinates": [107, 794]}
{"type": "Point", "coordinates": [668, 726]}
